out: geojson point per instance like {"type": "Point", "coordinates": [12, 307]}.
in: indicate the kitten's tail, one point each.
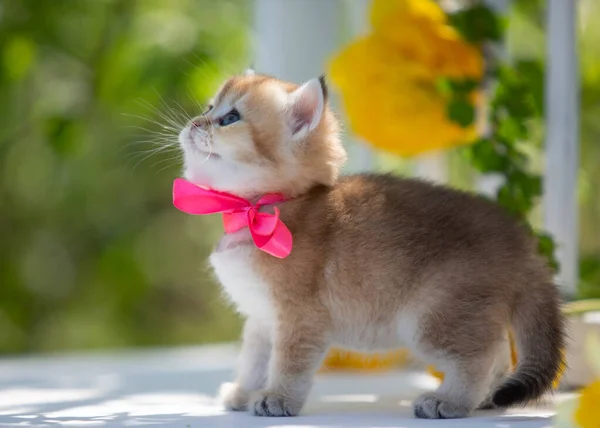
{"type": "Point", "coordinates": [538, 324]}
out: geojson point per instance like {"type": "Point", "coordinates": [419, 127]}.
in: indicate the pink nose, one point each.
{"type": "Point", "coordinates": [199, 122]}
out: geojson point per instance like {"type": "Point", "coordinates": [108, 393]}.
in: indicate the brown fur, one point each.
{"type": "Point", "coordinates": [378, 261]}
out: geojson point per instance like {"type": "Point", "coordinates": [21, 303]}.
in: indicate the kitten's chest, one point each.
{"type": "Point", "coordinates": [247, 290]}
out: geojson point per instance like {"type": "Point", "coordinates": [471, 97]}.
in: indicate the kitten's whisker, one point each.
{"type": "Point", "coordinates": [155, 144]}
{"type": "Point", "coordinates": [174, 116]}
{"type": "Point", "coordinates": [174, 124]}
{"type": "Point", "coordinates": [177, 158]}
{"type": "Point", "coordinates": [161, 140]}
{"type": "Point", "coordinates": [156, 112]}
{"type": "Point", "coordinates": [147, 155]}
{"type": "Point", "coordinates": [164, 160]}
{"type": "Point", "coordinates": [136, 156]}
{"type": "Point", "coordinates": [155, 132]}
{"type": "Point", "coordinates": [210, 146]}
{"type": "Point", "coordinates": [208, 155]}
{"type": "Point", "coordinates": [158, 139]}
{"type": "Point", "coordinates": [172, 137]}
{"type": "Point", "coordinates": [161, 125]}
{"type": "Point", "coordinates": [195, 100]}
{"type": "Point", "coordinates": [184, 112]}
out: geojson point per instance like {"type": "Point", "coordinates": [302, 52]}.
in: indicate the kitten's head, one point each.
{"type": "Point", "coordinates": [264, 135]}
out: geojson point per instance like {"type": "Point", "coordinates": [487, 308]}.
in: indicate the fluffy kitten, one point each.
{"type": "Point", "coordinates": [378, 262]}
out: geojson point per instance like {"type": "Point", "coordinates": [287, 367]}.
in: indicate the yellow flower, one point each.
{"type": "Point", "coordinates": [388, 79]}
{"type": "Point", "coordinates": [587, 414]}
{"type": "Point", "coordinates": [419, 32]}
{"type": "Point", "coordinates": [338, 359]}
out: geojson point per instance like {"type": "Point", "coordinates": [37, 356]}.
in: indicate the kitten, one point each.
{"type": "Point", "coordinates": [378, 262]}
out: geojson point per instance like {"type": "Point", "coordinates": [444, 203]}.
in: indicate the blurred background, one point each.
{"type": "Point", "coordinates": [92, 92]}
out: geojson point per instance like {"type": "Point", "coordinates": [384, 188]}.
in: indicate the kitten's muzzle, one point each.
{"type": "Point", "coordinates": [199, 139]}
{"type": "Point", "coordinates": [200, 122]}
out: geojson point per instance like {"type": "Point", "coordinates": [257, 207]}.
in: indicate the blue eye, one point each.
{"type": "Point", "coordinates": [231, 117]}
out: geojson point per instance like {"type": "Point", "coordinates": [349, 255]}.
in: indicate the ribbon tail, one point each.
{"type": "Point", "coordinates": [193, 199]}
{"type": "Point", "coordinates": [278, 244]}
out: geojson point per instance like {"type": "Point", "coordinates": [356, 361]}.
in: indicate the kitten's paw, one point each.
{"type": "Point", "coordinates": [233, 397]}
{"type": "Point", "coordinates": [433, 406]}
{"type": "Point", "coordinates": [267, 403]}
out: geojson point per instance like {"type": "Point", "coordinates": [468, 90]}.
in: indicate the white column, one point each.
{"type": "Point", "coordinates": [362, 156]}
{"type": "Point", "coordinates": [562, 139]}
{"type": "Point", "coordinates": [294, 39]}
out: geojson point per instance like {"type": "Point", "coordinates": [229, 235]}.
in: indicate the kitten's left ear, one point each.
{"type": "Point", "coordinates": [249, 72]}
{"type": "Point", "coordinates": [306, 107]}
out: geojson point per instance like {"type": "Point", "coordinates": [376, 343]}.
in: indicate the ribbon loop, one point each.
{"type": "Point", "coordinates": [268, 232]}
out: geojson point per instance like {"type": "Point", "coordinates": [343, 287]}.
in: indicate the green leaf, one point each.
{"type": "Point", "coordinates": [486, 158]}
{"type": "Point", "coordinates": [512, 197]}
{"type": "Point", "coordinates": [512, 128]}
{"type": "Point", "coordinates": [532, 186]}
{"type": "Point", "coordinates": [533, 76]}
{"type": "Point", "coordinates": [529, 185]}
{"type": "Point", "coordinates": [461, 111]}
{"type": "Point", "coordinates": [477, 24]}
{"type": "Point", "coordinates": [589, 274]}
{"type": "Point", "coordinates": [547, 247]}
{"type": "Point", "coordinates": [443, 86]}
{"type": "Point", "coordinates": [545, 243]}
{"type": "Point", "coordinates": [463, 86]}
{"type": "Point", "coordinates": [513, 95]}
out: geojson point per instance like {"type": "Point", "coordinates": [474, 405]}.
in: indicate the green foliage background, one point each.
{"type": "Point", "coordinates": [526, 42]}
{"type": "Point", "coordinates": [92, 254]}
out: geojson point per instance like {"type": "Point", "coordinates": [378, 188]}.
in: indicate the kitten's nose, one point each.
{"type": "Point", "coordinates": [199, 122]}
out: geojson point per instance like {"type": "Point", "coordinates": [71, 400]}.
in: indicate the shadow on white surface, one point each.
{"type": "Point", "coordinates": [175, 388]}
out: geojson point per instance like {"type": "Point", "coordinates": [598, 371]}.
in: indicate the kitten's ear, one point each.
{"type": "Point", "coordinates": [249, 72]}
{"type": "Point", "coordinates": [306, 107]}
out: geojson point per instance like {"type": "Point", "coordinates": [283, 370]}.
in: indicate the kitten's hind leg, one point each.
{"type": "Point", "coordinates": [501, 368]}
{"type": "Point", "coordinates": [465, 385]}
{"type": "Point", "coordinates": [252, 365]}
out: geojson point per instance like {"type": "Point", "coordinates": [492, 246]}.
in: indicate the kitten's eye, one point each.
{"type": "Point", "coordinates": [209, 108]}
{"type": "Point", "coordinates": [231, 117]}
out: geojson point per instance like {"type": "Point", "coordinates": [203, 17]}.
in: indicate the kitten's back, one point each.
{"type": "Point", "coordinates": [431, 222]}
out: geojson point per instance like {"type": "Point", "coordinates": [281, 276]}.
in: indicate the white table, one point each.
{"type": "Point", "coordinates": [175, 388]}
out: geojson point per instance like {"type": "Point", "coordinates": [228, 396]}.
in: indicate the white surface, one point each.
{"type": "Point", "coordinates": [175, 388]}
{"type": "Point", "coordinates": [562, 138]}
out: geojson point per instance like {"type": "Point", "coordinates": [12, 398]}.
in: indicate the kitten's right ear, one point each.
{"type": "Point", "coordinates": [306, 107]}
{"type": "Point", "coordinates": [324, 88]}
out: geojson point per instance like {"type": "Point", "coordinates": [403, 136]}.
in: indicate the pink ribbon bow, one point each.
{"type": "Point", "coordinates": [267, 230]}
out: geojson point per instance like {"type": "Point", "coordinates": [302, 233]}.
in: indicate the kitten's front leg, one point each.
{"type": "Point", "coordinates": [252, 366]}
{"type": "Point", "coordinates": [298, 350]}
